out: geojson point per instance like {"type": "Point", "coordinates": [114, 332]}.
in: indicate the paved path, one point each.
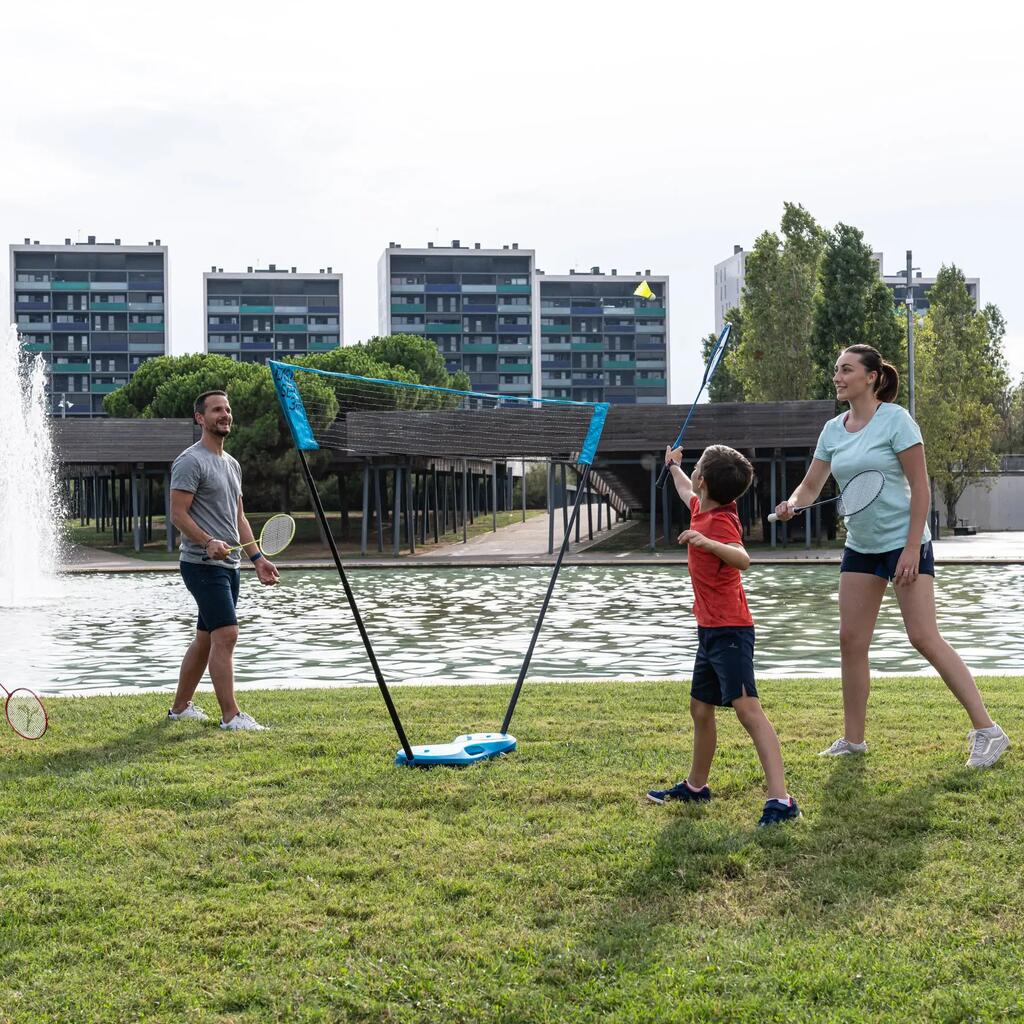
{"type": "Point", "coordinates": [527, 543]}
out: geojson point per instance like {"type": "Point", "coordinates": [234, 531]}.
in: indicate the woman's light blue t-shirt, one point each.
{"type": "Point", "coordinates": [884, 524]}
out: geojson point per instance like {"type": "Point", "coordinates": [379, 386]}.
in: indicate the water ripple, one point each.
{"type": "Point", "coordinates": [106, 633]}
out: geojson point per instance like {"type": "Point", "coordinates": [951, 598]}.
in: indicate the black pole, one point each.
{"type": "Point", "coordinates": [385, 693]}
{"type": "Point", "coordinates": [547, 600]}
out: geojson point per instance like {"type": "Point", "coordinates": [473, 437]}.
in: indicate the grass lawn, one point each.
{"type": "Point", "coordinates": [306, 544]}
{"type": "Point", "coordinates": [172, 872]}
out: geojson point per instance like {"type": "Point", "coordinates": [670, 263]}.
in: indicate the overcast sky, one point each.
{"type": "Point", "coordinates": [626, 135]}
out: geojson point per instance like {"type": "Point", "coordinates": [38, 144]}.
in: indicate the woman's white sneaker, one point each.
{"type": "Point", "coordinates": [844, 746]}
{"type": "Point", "coordinates": [987, 746]}
{"type": "Point", "coordinates": [190, 712]}
{"type": "Point", "coordinates": [243, 723]}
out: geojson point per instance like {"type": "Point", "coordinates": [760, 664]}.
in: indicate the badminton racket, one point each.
{"type": "Point", "coordinates": [25, 713]}
{"type": "Point", "coordinates": [276, 535]}
{"type": "Point", "coordinates": [859, 492]}
{"type": "Point", "coordinates": [714, 360]}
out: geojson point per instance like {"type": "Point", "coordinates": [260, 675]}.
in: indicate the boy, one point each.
{"type": "Point", "coordinates": [723, 673]}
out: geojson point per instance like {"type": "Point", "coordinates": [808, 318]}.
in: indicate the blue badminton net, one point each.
{"type": "Point", "coordinates": [367, 417]}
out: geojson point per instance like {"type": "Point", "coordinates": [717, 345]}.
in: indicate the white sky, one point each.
{"type": "Point", "coordinates": [625, 135]}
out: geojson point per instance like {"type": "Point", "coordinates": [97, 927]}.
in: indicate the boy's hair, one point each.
{"type": "Point", "coordinates": [726, 473]}
{"type": "Point", "coordinates": [199, 408]}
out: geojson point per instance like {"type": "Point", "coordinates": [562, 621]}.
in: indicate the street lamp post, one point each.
{"type": "Point", "coordinates": [910, 330]}
{"type": "Point", "coordinates": [64, 405]}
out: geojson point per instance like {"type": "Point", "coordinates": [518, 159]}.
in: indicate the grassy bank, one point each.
{"type": "Point", "coordinates": [172, 872]}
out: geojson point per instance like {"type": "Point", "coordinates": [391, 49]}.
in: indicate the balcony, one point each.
{"type": "Point", "coordinates": [479, 348]}
{"type": "Point", "coordinates": [556, 364]}
{"type": "Point", "coordinates": [227, 308]}
{"type": "Point", "coordinates": [526, 368]}
{"type": "Point", "coordinates": [146, 346]}
{"type": "Point", "coordinates": [158, 326]}
{"type": "Point", "coordinates": [69, 286]}
{"type": "Point", "coordinates": [158, 307]}
{"type": "Point", "coordinates": [104, 387]}
{"type": "Point", "coordinates": [618, 310]}
{"type": "Point", "coordinates": [479, 289]}
{"type": "Point", "coordinates": [322, 328]}
{"type": "Point", "coordinates": [650, 328]}
{"type": "Point", "coordinates": [324, 309]}
{"type": "Point", "coordinates": [650, 382]}
{"type": "Point", "coordinates": [479, 307]}
{"type": "Point", "coordinates": [408, 307]}
{"type": "Point", "coordinates": [588, 346]}
{"type": "Point", "coordinates": [223, 346]}
{"type": "Point", "coordinates": [514, 329]}
{"type": "Point", "coordinates": [316, 345]}
{"type": "Point", "coordinates": [71, 368]}
{"type": "Point", "coordinates": [33, 286]}
{"type": "Point", "coordinates": [99, 306]}
{"type": "Point", "coordinates": [285, 310]}
{"type": "Point", "coordinates": [506, 307]}
{"type": "Point", "coordinates": [439, 328]}
{"type": "Point", "coordinates": [37, 346]}
{"type": "Point", "coordinates": [408, 289]}
{"type": "Point", "coordinates": [620, 364]}
{"type": "Point", "coordinates": [33, 306]}
{"type": "Point", "coordinates": [594, 380]}
{"type": "Point", "coordinates": [39, 327]}
{"type": "Point", "coordinates": [107, 286]}
{"type": "Point", "coordinates": [586, 311]}
{"type": "Point", "coordinates": [514, 349]}
{"type": "Point", "coordinates": [256, 309]}
{"type": "Point", "coordinates": [443, 289]}
{"type": "Point", "coordinates": [74, 325]}
{"type": "Point", "coordinates": [651, 311]}
{"type": "Point", "coordinates": [291, 328]}
{"type": "Point", "coordinates": [554, 328]}
{"type": "Point", "coordinates": [513, 289]}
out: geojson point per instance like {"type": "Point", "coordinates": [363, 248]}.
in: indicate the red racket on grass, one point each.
{"type": "Point", "coordinates": [25, 713]}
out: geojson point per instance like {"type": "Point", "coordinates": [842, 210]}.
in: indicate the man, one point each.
{"type": "Point", "coordinates": [206, 506]}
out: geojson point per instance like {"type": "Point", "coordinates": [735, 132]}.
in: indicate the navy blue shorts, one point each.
{"type": "Point", "coordinates": [215, 589]}
{"type": "Point", "coordinates": [724, 668]}
{"type": "Point", "coordinates": [883, 563]}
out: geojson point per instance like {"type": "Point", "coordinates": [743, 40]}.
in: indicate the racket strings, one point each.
{"type": "Point", "coordinates": [26, 714]}
{"type": "Point", "coordinates": [277, 534]}
{"type": "Point", "coordinates": [860, 492]}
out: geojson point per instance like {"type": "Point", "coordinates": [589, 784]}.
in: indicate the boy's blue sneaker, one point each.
{"type": "Point", "coordinates": [778, 811]}
{"type": "Point", "coordinates": [680, 791]}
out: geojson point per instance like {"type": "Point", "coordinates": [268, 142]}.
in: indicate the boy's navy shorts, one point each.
{"type": "Point", "coordinates": [215, 588]}
{"type": "Point", "coordinates": [724, 668]}
{"type": "Point", "coordinates": [883, 563]}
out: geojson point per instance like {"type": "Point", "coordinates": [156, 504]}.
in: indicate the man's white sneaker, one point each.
{"type": "Point", "coordinates": [190, 712]}
{"type": "Point", "coordinates": [844, 746]}
{"type": "Point", "coordinates": [987, 746]}
{"type": "Point", "coordinates": [243, 723]}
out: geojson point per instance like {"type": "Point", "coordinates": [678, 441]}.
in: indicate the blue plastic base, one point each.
{"type": "Point", "coordinates": [462, 750]}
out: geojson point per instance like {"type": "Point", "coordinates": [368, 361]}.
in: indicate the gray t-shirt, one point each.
{"type": "Point", "coordinates": [215, 481]}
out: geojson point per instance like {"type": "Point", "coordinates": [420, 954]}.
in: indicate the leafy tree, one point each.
{"type": "Point", "coordinates": [774, 359]}
{"type": "Point", "coordinates": [958, 384]}
{"type": "Point", "coordinates": [726, 385]}
{"type": "Point", "coordinates": [260, 439]}
{"type": "Point", "coordinates": [886, 329]}
{"type": "Point", "coordinates": [843, 305]}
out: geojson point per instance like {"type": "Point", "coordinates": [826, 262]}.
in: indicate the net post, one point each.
{"type": "Point", "coordinates": [494, 497]}
{"type": "Point", "coordinates": [433, 470]}
{"type": "Point", "coordinates": [507, 721]}
{"type": "Point", "coordinates": [465, 501]}
{"type": "Point", "coordinates": [396, 514]}
{"type": "Point", "coordinates": [350, 596]}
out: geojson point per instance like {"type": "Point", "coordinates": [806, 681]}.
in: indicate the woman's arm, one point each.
{"type": "Point", "coordinates": [916, 471]}
{"type": "Point", "coordinates": [806, 491]}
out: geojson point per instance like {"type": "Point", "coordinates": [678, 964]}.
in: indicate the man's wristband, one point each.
{"type": "Point", "coordinates": [255, 558]}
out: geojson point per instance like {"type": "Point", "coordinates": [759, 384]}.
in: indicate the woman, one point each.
{"type": "Point", "coordinates": [889, 540]}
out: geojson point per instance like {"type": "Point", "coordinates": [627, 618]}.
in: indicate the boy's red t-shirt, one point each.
{"type": "Point", "coordinates": [718, 597]}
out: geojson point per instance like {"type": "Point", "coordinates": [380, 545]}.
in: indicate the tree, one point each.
{"type": "Point", "coordinates": [886, 329]}
{"type": "Point", "coordinates": [168, 385]}
{"type": "Point", "coordinates": [774, 359]}
{"type": "Point", "coordinates": [843, 305]}
{"type": "Point", "coordinates": [957, 385]}
{"type": "Point", "coordinates": [418, 354]}
{"type": "Point", "coordinates": [726, 386]}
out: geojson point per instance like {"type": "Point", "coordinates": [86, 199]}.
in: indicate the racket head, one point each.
{"type": "Point", "coordinates": [26, 714]}
{"type": "Point", "coordinates": [277, 534]}
{"type": "Point", "coordinates": [717, 353]}
{"type": "Point", "coordinates": [860, 491]}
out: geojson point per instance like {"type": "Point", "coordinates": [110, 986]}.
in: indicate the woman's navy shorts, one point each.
{"type": "Point", "coordinates": [215, 589]}
{"type": "Point", "coordinates": [883, 563]}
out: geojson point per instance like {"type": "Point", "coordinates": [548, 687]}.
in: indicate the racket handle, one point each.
{"type": "Point", "coordinates": [772, 517]}
{"type": "Point", "coordinates": [661, 479]}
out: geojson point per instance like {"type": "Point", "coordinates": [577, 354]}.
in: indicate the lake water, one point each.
{"type": "Point", "coordinates": [108, 633]}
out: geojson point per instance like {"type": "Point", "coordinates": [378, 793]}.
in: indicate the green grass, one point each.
{"type": "Point", "coordinates": [171, 872]}
{"type": "Point", "coordinates": [306, 544]}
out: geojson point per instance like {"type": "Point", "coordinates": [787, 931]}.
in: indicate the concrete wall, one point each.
{"type": "Point", "coordinates": [1000, 507]}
